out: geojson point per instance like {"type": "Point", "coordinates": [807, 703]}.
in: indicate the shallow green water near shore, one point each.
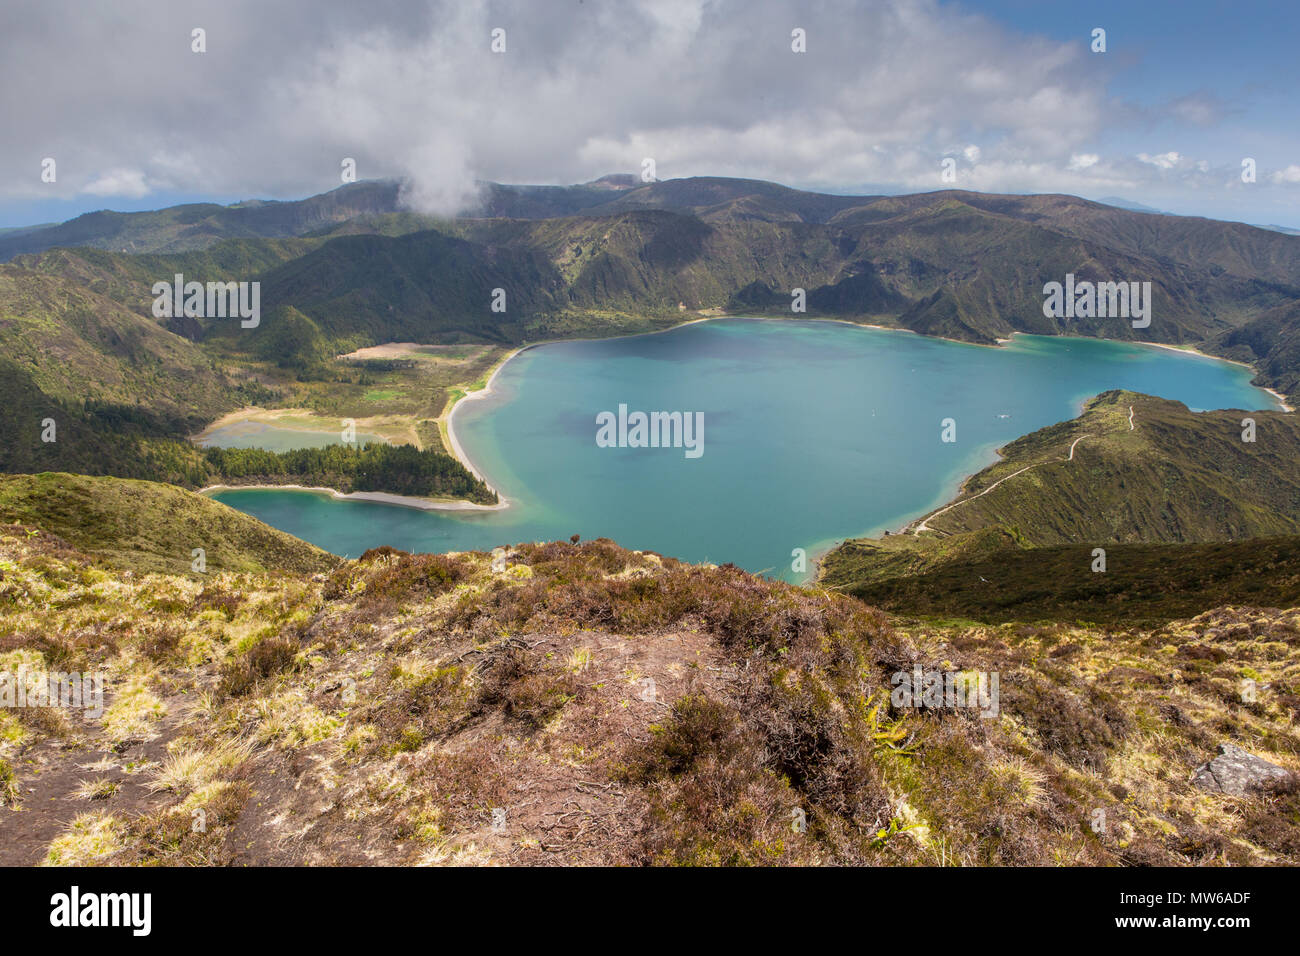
{"type": "Point", "coordinates": [275, 438]}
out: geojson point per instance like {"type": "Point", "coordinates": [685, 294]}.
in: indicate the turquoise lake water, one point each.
{"type": "Point", "coordinates": [813, 432]}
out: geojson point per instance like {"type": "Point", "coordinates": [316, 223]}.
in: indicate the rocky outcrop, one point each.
{"type": "Point", "coordinates": [1236, 772]}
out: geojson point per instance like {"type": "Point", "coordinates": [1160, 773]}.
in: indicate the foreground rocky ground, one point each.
{"type": "Point", "coordinates": [578, 703]}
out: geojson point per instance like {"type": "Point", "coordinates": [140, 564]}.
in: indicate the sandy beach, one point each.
{"type": "Point", "coordinates": [453, 442]}
{"type": "Point", "coordinates": [380, 497]}
{"type": "Point", "coordinates": [1187, 350]}
{"type": "Point", "coordinates": [458, 450]}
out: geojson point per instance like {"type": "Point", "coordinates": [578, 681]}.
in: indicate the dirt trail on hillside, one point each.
{"type": "Point", "coordinates": [924, 524]}
{"type": "Point", "coordinates": [49, 774]}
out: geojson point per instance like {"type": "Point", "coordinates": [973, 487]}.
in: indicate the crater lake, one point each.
{"type": "Point", "coordinates": [812, 432]}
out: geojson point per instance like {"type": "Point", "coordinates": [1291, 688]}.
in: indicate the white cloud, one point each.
{"type": "Point", "coordinates": [119, 182]}
{"type": "Point", "coordinates": [1163, 160]}
{"type": "Point", "coordinates": [703, 86]}
{"type": "Point", "coordinates": [885, 91]}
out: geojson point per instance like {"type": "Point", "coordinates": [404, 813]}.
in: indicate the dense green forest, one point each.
{"type": "Point", "coordinates": [126, 441]}
{"type": "Point", "coordinates": [399, 469]}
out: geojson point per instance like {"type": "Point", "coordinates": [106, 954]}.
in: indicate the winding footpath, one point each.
{"type": "Point", "coordinates": [924, 524]}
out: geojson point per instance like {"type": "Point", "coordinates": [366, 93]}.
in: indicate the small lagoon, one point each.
{"type": "Point", "coordinates": [251, 434]}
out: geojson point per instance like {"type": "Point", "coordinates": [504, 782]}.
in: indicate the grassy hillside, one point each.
{"type": "Point", "coordinates": [1176, 475]}
{"type": "Point", "coordinates": [93, 386]}
{"type": "Point", "coordinates": [121, 391]}
{"type": "Point", "coordinates": [616, 257]}
{"type": "Point", "coordinates": [1271, 343]}
{"type": "Point", "coordinates": [129, 279]}
{"type": "Point", "coordinates": [943, 267]}
{"type": "Point", "coordinates": [1189, 516]}
{"type": "Point", "coordinates": [76, 344]}
{"type": "Point", "coordinates": [593, 705]}
{"type": "Point", "coordinates": [971, 577]}
{"type": "Point", "coordinates": [146, 526]}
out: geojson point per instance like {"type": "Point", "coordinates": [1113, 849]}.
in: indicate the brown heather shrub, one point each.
{"type": "Point", "coordinates": [973, 807]}
{"type": "Point", "coordinates": [168, 836]}
{"type": "Point", "coordinates": [9, 791]}
{"type": "Point", "coordinates": [1079, 721]}
{"type": "Point", "coordinates": [711, 801]}
{"type": "Point", "coordinates": [161, 643]}
{"type": "Point", "coordinates": [47, 721]}
{"type": "Point", "coordinates": [746, 613]}
{"type": "Point", "coordinates": [697, 728]}
{"type": "Point", "coordinates": [506, 604]}
{"type": "Point", "coordinates": [816, 743]}
{"type": "Point", "coordinates": [77, 650]}
{"type": "Point", "coordinates": [270, 656]}
{"type": "Point", "coordinates": [465, 785]}
{"type": "Point", "coordinates": [215, 598]}
{"type": "Point", "coordinates": [527, 688]}
{"type": "Point", "coordinates": [1272, 817]}
{"type": "Point", "coordinates": [724, 778]}
{"type": "Point", "coordinates": [390, 575]}
{"type": "Point", "coordinates": [430, 709]}
{"type": "Point", "coordinates": [585, 605]}
{"type": "Point", "coordinates": [603, 555]}
{"type": "Point", "coordinates": [1203, 846]}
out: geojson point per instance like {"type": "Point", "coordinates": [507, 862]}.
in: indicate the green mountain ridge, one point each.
{"type": "Point", "coordinates": [350, 269]}
{"type": "Point", "coordinates": [1189, 515]}
{"type": "Point", "coordinates": [1176, 476]}
{"type": "Point", "coordinates": [196, 226]}
{"type": "Point", "coordinates": [951, 262]}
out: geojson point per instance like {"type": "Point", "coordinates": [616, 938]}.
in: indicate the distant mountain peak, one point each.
{"type": "Point", "coordinates": [618, 181]}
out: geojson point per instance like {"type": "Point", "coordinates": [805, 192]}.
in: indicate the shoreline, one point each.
{"type": "Point", "coordinates": [1189, 350]}
{"type": "Point", "coordinates": [376, 497]}
{"type": "Point", "coordinates": [449, 422]}
{"type": "Point", "coordinates": [818, 552]}
{"type": "Point", "coordinates": [448, 419]}
{"type": "Point", "coordinates": [814, 573]}
{"type": "Point", "coordinates": [457, 450]}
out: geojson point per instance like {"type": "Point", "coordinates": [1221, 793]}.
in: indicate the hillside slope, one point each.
{"type": "Point", "coordinates": [619, 255]}
{"type": "Point", "coordinates": [79, 345]}
{"type": "Point", "coordinates": [146, 526]}
{"type": "Point", "coordinates": [941, 266]}
{"type": "Point", "coordinates": [991, 576]}
{"type": "Point", "coordinates": [1175, 475]}
{"type": "Point", "coordinates": [199, 225]}
{"type": "Point", "coordinates": [593, 705]}
{"type": "Point", "coordinates": [1189, 516]}
{"type": "Point", "coordinates": [90, 385]}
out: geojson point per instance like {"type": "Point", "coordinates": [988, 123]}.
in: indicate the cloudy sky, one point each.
{"type": "Point", "coordinates": [1009, 89]}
